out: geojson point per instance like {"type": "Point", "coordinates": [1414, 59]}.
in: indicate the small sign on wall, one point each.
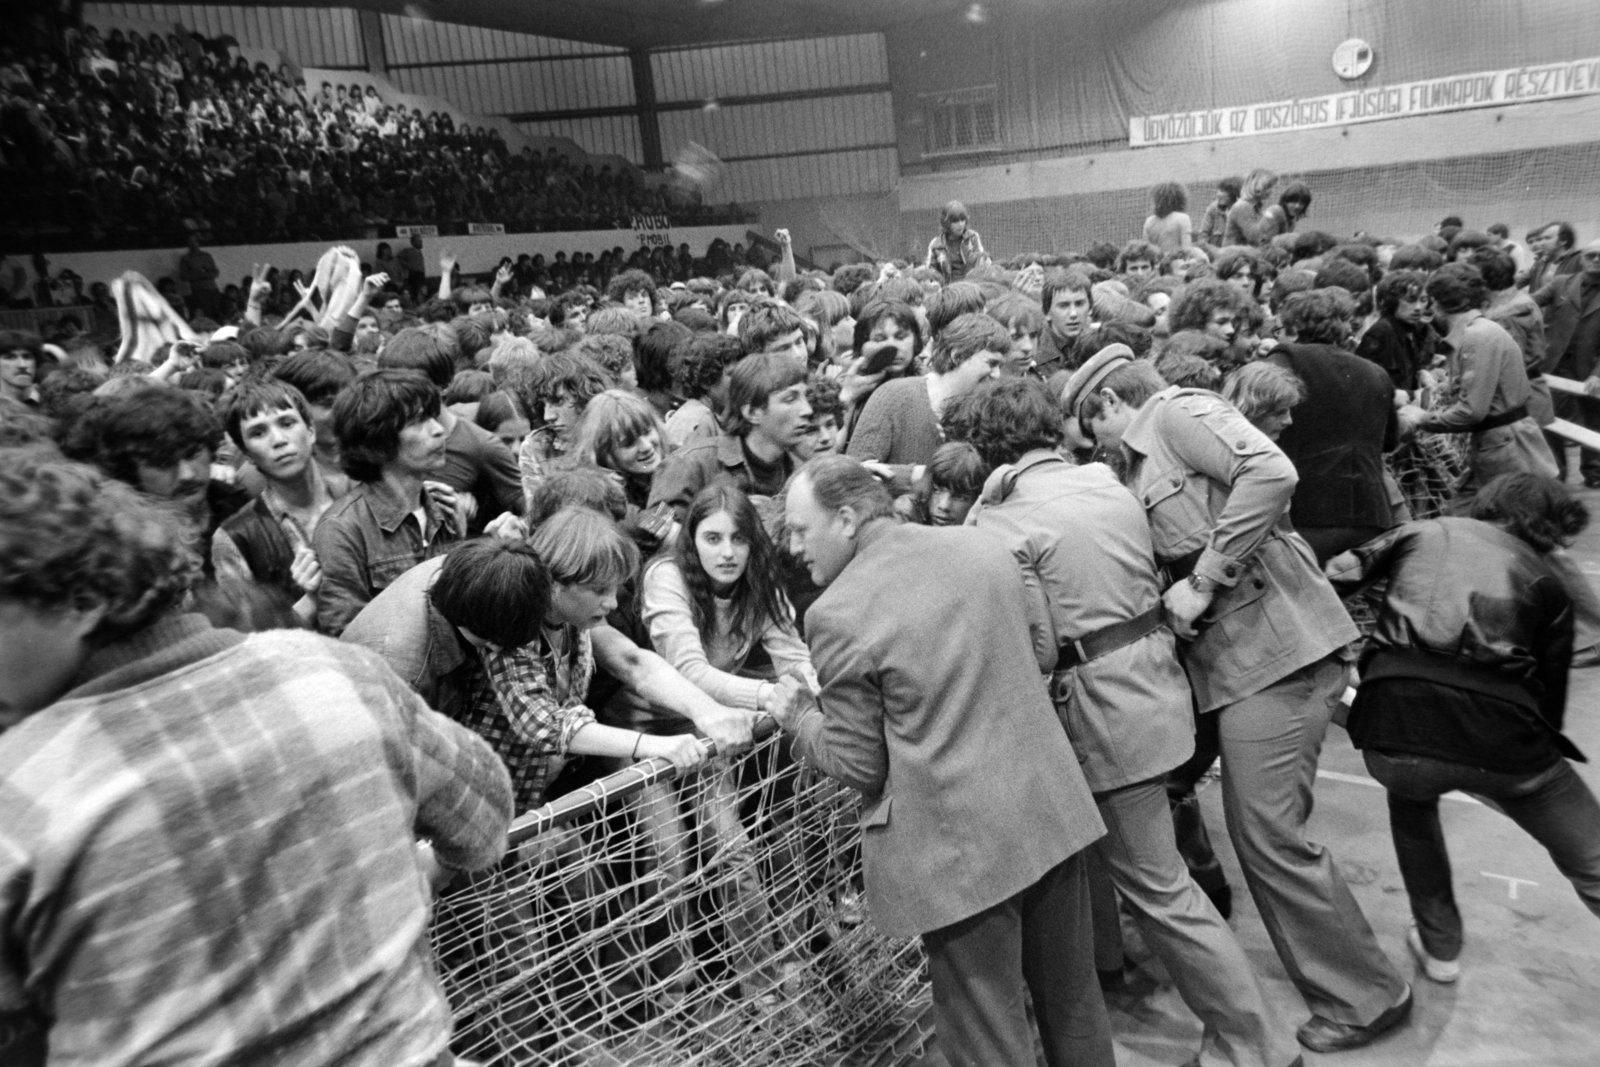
{"type": "Point", "coordinates": [416, 231]}
{"type": "Point", "coordinates": [653, 231]}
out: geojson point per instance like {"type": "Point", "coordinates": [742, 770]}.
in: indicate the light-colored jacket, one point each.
{"type": "Point", "coordinates": [1084, 547]}
{"type": "Point", "coordinates": [1487, 378]}
{"type": "Point", "coordinates": [932, 705]}
{"type": "Point", "coordinates": [1214, 484]}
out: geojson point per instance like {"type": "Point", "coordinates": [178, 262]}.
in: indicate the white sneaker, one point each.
{"type": "Point", "coordinates": [1438, 970]}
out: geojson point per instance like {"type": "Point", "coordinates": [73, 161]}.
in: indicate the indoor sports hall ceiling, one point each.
{"type": "Point", "coordinates": [666, 23]}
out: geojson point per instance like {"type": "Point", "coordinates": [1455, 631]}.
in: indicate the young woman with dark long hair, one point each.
{"type": "Point", "coordinates": [708, 601]}
{"type": "Point", "coordinates": [717, 596]}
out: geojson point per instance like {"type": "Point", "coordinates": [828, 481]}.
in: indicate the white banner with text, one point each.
{"type": "Point", "coordinates": [1519, 85]}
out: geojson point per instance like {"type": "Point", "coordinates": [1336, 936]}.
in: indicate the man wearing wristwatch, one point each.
{"type": "Point", "coordinates": [1263, 629]}
{"type": "Point", "coordinates": [1095, 614]}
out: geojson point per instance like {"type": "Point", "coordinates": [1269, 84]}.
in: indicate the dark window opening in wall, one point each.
{"type": "Point", "coordinates": [961, 120]}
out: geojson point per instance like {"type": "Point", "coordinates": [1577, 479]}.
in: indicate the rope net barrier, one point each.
{"type": "Point", "coordinates": [650, 919]}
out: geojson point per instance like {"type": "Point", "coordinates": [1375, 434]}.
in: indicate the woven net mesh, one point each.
{"type": "Point", "coordinates": [709, 919]}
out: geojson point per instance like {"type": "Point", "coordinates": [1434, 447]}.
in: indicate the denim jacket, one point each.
{"type": "Point", "coordinates": [365, 542]}
{"type": "Point", "coordinates": [403, 626]}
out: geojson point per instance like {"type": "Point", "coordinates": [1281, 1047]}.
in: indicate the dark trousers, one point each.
{"type": "Point", "coordinates": [1584, 411]}
{"type": "Point", "coordinates": [1194, 840]}
{"type": "Point", "coordinates": [1036, 943]}
{"type": "Point", "coordinates": [1553, 805]}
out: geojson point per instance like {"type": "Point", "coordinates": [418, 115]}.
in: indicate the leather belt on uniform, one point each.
{"type": "Point", "coordinates": [1108, 638]}
{"type": "Point", "coordinates": [1494, 422]}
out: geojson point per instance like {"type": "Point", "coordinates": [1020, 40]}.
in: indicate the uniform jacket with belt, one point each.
{"type": "Point", "coordinates": [932, 706]}
{"type": "Point", "coordinates": [1487, 379]}
{"type": "Point", "coordinates": [1084, 547]}
{"type": "Point", "coordinates": [1213, 484]}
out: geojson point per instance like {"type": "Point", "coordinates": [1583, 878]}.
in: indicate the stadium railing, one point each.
{"type": "Point", "coordinates": [1571, 431]}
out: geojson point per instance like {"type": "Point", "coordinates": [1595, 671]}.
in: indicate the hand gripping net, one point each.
{"type": "Point", "coordinates": [653, 919]}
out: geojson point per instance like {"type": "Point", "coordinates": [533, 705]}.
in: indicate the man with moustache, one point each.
{"type": "Point", "coordinates": [160, 440]}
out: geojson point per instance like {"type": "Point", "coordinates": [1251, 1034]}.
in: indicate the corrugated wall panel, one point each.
{"type": "Point", "coordinates": [513, 86]}
{"type": "Point", "coordinates": [410, 40]}
{"type": "Point", "coordinates": [848, 173]}
{"type": "Point", "coordinates": [604, 135]}
{"type": "Point", "coordinates": [312, 37]}
{"type": "Point", "coordinates": [817, 124]}
{"type": "Point", "coordinates": [770, 67]}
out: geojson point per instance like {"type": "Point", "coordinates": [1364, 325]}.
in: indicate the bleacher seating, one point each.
{"type": "Point", "coordinates": [129, 140]}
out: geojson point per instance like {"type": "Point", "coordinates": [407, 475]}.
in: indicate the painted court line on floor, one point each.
{"type": "Point", "coordinates": [1357, 779]}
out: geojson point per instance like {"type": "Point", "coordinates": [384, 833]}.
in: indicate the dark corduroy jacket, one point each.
{"type": "Point", "coordinates": [1339, 435]}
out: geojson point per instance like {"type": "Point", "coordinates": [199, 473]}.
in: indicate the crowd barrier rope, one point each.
{"type": "Point", "coordinates": [652, 918]}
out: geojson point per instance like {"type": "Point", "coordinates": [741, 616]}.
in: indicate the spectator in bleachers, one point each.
{"type": "Point", "coordinates": [187, 136]}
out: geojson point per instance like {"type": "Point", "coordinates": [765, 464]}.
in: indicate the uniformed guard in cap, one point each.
{"type": "Point", "coordinates": [1087, 378]}
{"type": "Point", "coordinates": [1085, 551]}
{"type": "Point", "coordinates": [1265, 631]}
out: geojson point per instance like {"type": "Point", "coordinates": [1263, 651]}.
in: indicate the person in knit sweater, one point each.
{"type": "Point", "coordinates": [900, 424]}
{"type": "Point", "coordinates": [708, 605]}
{"type": "Point", "coordinates": [208, 841]}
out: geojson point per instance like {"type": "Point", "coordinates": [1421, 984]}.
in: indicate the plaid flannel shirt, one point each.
{"type": "Point", "coordinates": [207, 854]}
{"type": "Point", "coordinates": [528, 703]}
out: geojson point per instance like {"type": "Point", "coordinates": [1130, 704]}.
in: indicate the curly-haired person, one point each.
{"type": "Point", "coordinates": [700, 376]}
{"type": "Point", "coordinates": [1210, 306]}
{"type": "Point", "coordinates": [225, 823]}
{"type": "Point", "coordinates": [161, 441]}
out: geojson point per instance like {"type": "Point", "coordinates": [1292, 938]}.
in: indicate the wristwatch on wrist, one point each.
{"type": "Point", "coordinates": [1201, 584]}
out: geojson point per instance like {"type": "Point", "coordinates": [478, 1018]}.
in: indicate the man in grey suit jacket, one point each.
{"type": "Point", "coordinates": [975, 811]}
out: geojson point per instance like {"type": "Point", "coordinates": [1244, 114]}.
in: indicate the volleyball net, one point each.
{"type": "Point", "coordinates": [712, 918]}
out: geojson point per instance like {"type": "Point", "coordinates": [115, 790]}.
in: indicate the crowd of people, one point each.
{"type": "Point", "coordinates": [1016, 549]}
{"type": "Point", "coordinates": [127, 140]}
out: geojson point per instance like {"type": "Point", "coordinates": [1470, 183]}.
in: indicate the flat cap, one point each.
{"type": "Point", "coordinates": [1087, 378]}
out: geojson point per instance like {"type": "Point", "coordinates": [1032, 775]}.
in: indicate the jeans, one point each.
{"type": "Point", "coordinates": [1553, 805]}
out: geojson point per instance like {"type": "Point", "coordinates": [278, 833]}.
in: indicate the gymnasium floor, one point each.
{"type": "Point", "coordinates": [1529, 992]}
